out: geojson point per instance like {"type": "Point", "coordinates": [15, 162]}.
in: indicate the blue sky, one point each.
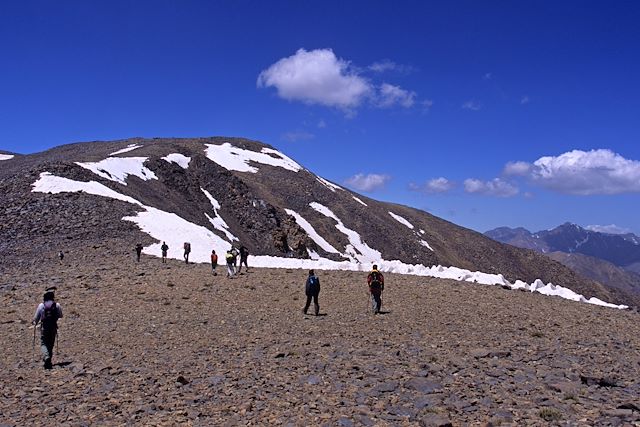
{"type": "Point", "coordinates": [483, 113]}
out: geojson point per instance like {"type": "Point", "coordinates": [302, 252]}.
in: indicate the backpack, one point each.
{"type": "Point", "coordinates": [313, 281]}
{"type": "Point", "coordinates": [376, 280]}
{"type": "Point", "coordinates": [187, 246]}
{"type": "Point", "coordinates": [50, 316]}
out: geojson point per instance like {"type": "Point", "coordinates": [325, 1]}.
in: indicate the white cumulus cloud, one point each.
{"type": "Point", "coordinates": [608, 229]}
{"type": "Point", "coordinates": [390, 95]}
{"type": "Point", "coordinates": [584, 172]}
{"type": "Point", "coordinates": [370, 182]}
{"type": "Point", "coordinates": [316, 77]}
{"type": "Point", "coordinates": [517, 169]}
{"type": "Point", "coordinates": [495, 187]}
{"type": "Point", "coordinates": [435, 185]}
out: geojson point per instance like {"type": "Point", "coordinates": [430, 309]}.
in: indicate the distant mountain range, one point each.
{"type": "Point", "coordinates": [611, 259]}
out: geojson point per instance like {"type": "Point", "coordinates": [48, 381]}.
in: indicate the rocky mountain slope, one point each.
{"type": "Point", "coordinates": [223, 191]}
{"type": "Point", "coordinates": [169, 344]}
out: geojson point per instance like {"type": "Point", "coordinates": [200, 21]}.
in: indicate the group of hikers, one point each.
{"type": "Point", "coordinates": [231, 257]}
{"type": "Point", "coordinates": [49, 311]}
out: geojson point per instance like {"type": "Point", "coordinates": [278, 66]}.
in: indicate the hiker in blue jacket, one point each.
{"type": "Point", "coordinates": [312, 290]}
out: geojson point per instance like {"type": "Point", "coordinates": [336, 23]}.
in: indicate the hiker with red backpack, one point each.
{"type": "Point", "coordinates": [375, 280]}
{"type": "Point", "coordinates": [312, 290]}
{"type": "Point", "coordinates": [214, 261]}
{"type": "Point", "coordinates": [47, 314]}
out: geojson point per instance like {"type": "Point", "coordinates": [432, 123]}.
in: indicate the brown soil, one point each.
{"type": "Point", "coordinates": [153, 344]}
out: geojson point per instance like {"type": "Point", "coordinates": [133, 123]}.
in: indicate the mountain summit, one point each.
{"type": "Point", "coordinates": [218, 192]}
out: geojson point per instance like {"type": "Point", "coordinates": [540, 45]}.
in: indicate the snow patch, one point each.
{"type": "Point", "coordinates": [359, 201]}
{"type": "Point", "coordinates": [179, 159]}
{"type": "Point", "coordinates": [218, 222]}
{"type": "Point", "coordinates": [401, 220]}
{"type": "Point", "coordinates": [129, 147]}
{"type": "Point", "coordinates": [330, 185]}
{"type": "Point", "coordinates": [357, 249]}
{"type": "Point", "coordinates": [237, 159]}
{"type": "Point", "coordinates": [174, 230]}
{"type": "Point", "coordinates": [421, 231]}
{"type": "Point", "coordinates": [118, 168]}
{"type": "Point", "coordinates": [6, 156]}
{"type": "Point", "coordinates": [425, 244]}
{"type": "Point", "coordinates": [308, 228]}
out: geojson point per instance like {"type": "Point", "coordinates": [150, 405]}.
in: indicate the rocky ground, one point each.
{"type": "Point", "coordinates": [153, 344]}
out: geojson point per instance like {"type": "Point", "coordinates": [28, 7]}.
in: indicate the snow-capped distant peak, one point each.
{"type": "Point", "coordinates": [128, 148]}
{"type": "Point", "coordinates": [6, 156]}
{"type": "Point", "coordinates": [330, 185]}
{"type": "Point", "coordinates": [401, 220]}
{"type": "Point", "coordinates": [118, 168]}
{"type": "Point", "coordinates": [179, 159]}
{"type": "Point", "coordinates": [237, 159]}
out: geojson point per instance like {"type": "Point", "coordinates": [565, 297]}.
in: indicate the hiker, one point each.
{"type": "Point", "coordinates": [375, 279]}
{"type": "Point", "coordinates": [235, 253]}
{"type": "Point", "coordinates": [312, 290]}
{"type": "Point", "coordinates": [244, 254]}
{"type": "Point", "coordinates": [187, 250]}
{"type": "Point", "coordinates": [164, 249]}
{"type": "Point", "coordinates": [60, 256]}
{"type": "Point", "coordinates": [231, 268]}
{"type": "Point", "coordinates": [47, 314]}
{"type": "Point", "coordinates": [214, 262]}
{"type": "Point", "coordinates": [138, 251]}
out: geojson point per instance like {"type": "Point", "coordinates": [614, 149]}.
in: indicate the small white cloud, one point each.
{"type": "Point", "coordinates": [587, 173]}
{"type": "Point", "coordinates": [382, 66]}
{"type": "Point", "coordinates": [368, 182]}
{"type": "Point", "coordinates": [387, 65]}
{"type": "Point", "coordinates": [426, 105]}
{"type": "Point", "coordinates": [517, 169]}
{"type": "Point", "coordinates": [496, 187]}
{"type": "Point", "coordinates": [297, 136]}
{"type": "Point", "coordinates": [390, 95]}
{"type": "Point", "coordinates": [316, 77]}
{"type": "Point", "coordinates": [435, 185]}
{"type": "Point", "coordinates": [608, 229]}
{"type": "Point", "coordinates": [487, 76]}
{"type": "Point", "coordinates": [524, 100]}
{"type": "Point", "coordinates": [472, 105]}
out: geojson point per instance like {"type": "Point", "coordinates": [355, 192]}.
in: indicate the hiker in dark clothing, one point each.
{"type": "Point", "coordinates": [60, 256]}
{"type": "Point", "coordinates": [312, 290]}
{"type": "Point", "coordinates": [164, 248]}
{"type": "Point", "coordinates": [138, 251]}
{"type": "Point", "coordinates": [187, 251]}
{"type": "Point", "coordinates": [375, 279]}
{"type": "Point", "coordinates": [214, 262]}
{"type": "Point", "coordinates": [47, 314]}
{"type": "Point", "coordinates": [244, 254]}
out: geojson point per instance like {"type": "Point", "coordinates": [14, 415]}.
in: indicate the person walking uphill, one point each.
{"type": "Point", "coordinates": [312, 290]}
{"type": "Point", "coordinates": [164, 248]}
{"type": "Point", "coordinates": [231, 263]}
{"type": "Point", "coordinates": [47, 314]}
{"type": "Point", "coordinates": [375, 279]}
{"type": "Point", "coordinates": [138, 251]}
{"type": "Point", "coordinates": [187, 251]}
{"type": "Point", "coordinates": [214, 262]}
{"type": "Point", "coordinates": [244, 254]}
